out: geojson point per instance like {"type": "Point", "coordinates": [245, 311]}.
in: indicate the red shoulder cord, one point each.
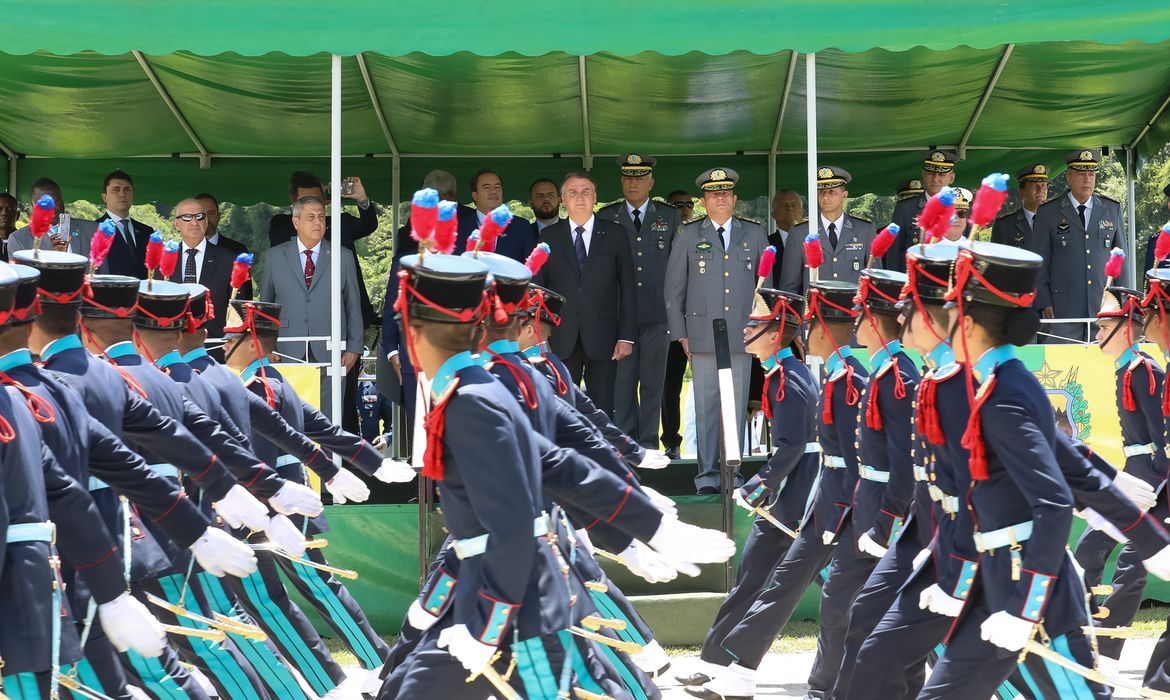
{"type": "Point", "coordinates": [89, 337]}
{"type": "Point", "coordinates": [926, 415]}
{"type": "Point", "coordinates": [781, 310]}
{"type": "Point", "coordinates": [523, 381]}
{"type": "Point", "coordinates": [852, 396]}
{"type": "Point", "coordinates": [41, 409]}
{"type": "Point", "coordinates": [1159, 296]}
{"type": "Point", "coordinates": [250, 314]}
{"type": "Point", "coordinates": [435, 423]}
{"type": "Point", "coordinates": [873, 415]}
{"type": "Point", "coordinates": [537, 299]}
{"type": "Point", "coordinates": [1127, 400]}
{"type": "Point", "coordinates": [973, 435]}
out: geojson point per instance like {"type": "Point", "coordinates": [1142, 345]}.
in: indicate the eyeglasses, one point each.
{"type": "Point", "coordinates": [962, 213]}
{"type": "Point", "coordinates": [191, 217]}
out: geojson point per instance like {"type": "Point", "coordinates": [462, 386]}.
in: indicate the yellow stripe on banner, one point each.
{"type": "Point", "coordinates": [306, 381]}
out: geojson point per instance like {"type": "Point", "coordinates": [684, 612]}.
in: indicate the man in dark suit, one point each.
{"type": "Point", "coordinates": [203, 263]}
{"type": "Point", "coordinates": [211, 210]}
{"type": "Point", "coordinates": [128, 252]}
{"type": "Point", "coordinates": [9, 213]}
{"type": "Point", "coordinates": [787, 209]}
{"type": "Point", "coordinates": [517, 241]}
{"type": "Point", "coordinates": [545, 199]}
{"type": "Point", "coordinates": [590, 264]}
{"type": "Point", "coordinates": [353, 228]}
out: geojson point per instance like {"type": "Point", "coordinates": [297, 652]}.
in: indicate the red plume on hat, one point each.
{"type": "Point", "coordinates": [241, 271]}
{"type": "Point", "coordinates": [424, 215]}
{"type": "Point", "coordinates": [99, 245]}
{"type": "Point", "coordinates": [537, 258]}
{"type": "Point", "coordinates": [170, 259]}
{"type": "Point", "coordinates": [493, 225]}
{"type": "Point", "coordinates": [814, 254]}
{"type": "Point", "coordinates": [1162, 246]}
{"type": "Point", "coordinates": [42, 216]}
{"type": "Point", "coordinates": [446, 227]}
{"type": "Point", "coordinates": [989, 199]}
{"type": "Point", "coordinates": [936, 216]}
{"type": "Point", "coordinates": [883, 241]}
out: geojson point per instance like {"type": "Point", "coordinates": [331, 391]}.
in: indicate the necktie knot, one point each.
{"type": "Point", "coordinates": [638, 220]}
{"type": "Point", "coordinates": [722, 239]}
{"type": "Point", "coordinates": [579, 247]}
{"type": "Point", "coordinates": [189, 266]}
{"type": "Point", "coordinates": [833, 234]}
{"type": "Point", "coordinates": [310, 268]}
{"type": "Point", "coordinates": [1081, 214]}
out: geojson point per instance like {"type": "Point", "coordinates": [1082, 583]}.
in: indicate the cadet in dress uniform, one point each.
{"type": "Point", "coordinates": [651, 225]}
{"type": "Point", "coordinates": [1015, 227]}
{"type": "Point", "coordinates": [938, 171]}
{"type": "Point", "coordinates": [94, 456]}
{"type": "Point", "coordinates": [845, 238]}
{"type": "Point", "coordinates": [711, 274]}
{"type": "Point", "coordinates": [47, 514]}
{"type": "Point", "coordinates": [1139, 407]}
{"type": "Point", "coordinates": [782, 486]}
{"type": "Point", "coordinates": [731, 656]}
{"type": "Point", "coordinates": [1074, 233]}
{"type": "Point", "coordinates": [1020, 500]}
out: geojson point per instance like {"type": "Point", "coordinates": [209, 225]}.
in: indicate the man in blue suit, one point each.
{"type": "Point", "coordinates": [487, 191]}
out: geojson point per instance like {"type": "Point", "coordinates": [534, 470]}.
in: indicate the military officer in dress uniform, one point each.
{"type": "Point", "coordinates": [845, 238]}
{"type": "Point", "coordinates": [711, 274]}
{"type": "Point", "coordinates": [651, 225]}
{"type": "Point", "coordinates": [1016, 227]}
{"type": "Point", "coordinates": [908, 189]}
{"type": "Point", "coordinates": [938, 171]}
{"type": "Point", "coordinates": [1074, 234]}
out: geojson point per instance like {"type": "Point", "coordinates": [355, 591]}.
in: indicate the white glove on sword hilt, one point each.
{"type": "Point", "coordinates": [129, 625]}
{"type": "Point", "coordinates": [219, 553]}
{"type": "Point", "coordinates": [238, 508]}
{"type": "Point", "coordinates": [296, 499]}
{"type": "Point", "coordinates": [473, 654]}
{"type": "Point", "coordinates": [680, 542]}
{"type": "Point", "coordinates": [282, 533]}
{"type": "Point", "coordinates": [1007, 631]}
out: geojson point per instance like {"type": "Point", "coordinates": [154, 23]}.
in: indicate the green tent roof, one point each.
{"type": "Point", "coordinates": [246, 84]}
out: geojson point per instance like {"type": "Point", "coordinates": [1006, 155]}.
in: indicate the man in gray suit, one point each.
{"type": "Point", "coordinates": [1074, 234]}
{"type": "Point", "coordinates": [297, 276]}
{"type": "Point", "coordinates": [845, 239]}
{"type": "Point", "coordinates": [711, 273]}
{"type": "Point", "coordinates": [1015, 227]}
{"type": "Point", "coordinates": [66, 233]}
{"type": "Point", "coordinates": [651, 225]}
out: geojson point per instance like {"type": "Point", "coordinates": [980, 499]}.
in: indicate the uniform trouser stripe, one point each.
{"type": "Point", "coordinates": [158, 682]}
{"type": "Point", "coordinates": [611, 609]}
{"type": "Point", "coordinates": [1077, 686]}
{"type": "Point", "coordinates": [627, 678]}
{"type": "Point", "coordinates": [270, 612]}
{"type": "Point", "coordinates": [88, 678]}
{"type": "Point", "coordinates": [274, 673]}
{"type": "Point", "coordinates": [22, 686]}
{"type": "Point", "coordinates": [584, 678]}
{"type": "Point", "coordinates": [348, 627]}
{"type": "Point", "coordinates": [218, 661]}
{"type": "Point", "coordinates": [539, 681]}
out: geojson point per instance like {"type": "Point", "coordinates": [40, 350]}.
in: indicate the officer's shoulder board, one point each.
{"type": "Point", "coordinates": [860, 218]}
{"type": "Point", "coordinates": [1055, 201]}
{"type": "Point", "coordinates": [802, 221]}
{"type": "Point", "coordinates": [885, 368]}
{"type": "Point", "coordinates": [1109, 199]}
{"type": "Point", "coordinates": [694, 223]}
{"type": "Point", "coordinates": [747, 220]}
{"type": "Point", "coordinates": [941, 374]}
{"type": "Point", "coordinates": [1010, 215]}
{"type": "Point", "coordinates": [838, 374]}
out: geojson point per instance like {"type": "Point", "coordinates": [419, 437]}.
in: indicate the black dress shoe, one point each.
{"type": "Point", "coordinates": [673, 452]}
{"type": "Point", "coordinates": [696, 678]}
{"type": "Point", "coordinates": [708, 490]}
{"type": "Point", "coordinates": [660, 672]}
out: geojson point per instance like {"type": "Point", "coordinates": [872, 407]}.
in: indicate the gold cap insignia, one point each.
{"type": "Point", "coordinates": [916, 184]}
{"type": "Point", "coordinates": [634, 159]}
{"type": "Point", "coordinates": [1086, 155]}
{"type": "Point", "coordinates": [718, 174]}
{"type": "Point", "coordinates": [1040, 170]}
{"type": "Point", "coordinates": [824, 173]}
{"type": "Point", "coordinates": [938, 157]}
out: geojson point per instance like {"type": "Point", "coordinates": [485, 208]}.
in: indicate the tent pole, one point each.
{"type": "Point", "coordinates": [810, 70]}
{"type": "Point", "coordinates": [984, 99]}
{"type": "Point", "coordinates": [398, 433]}
{"type": "Point", "coordinates": [204, 155]}
{"type": "Point", "coordinates": [377, 105]}
{"type": "Point", "coordinates": [12, 175]}
{"type": "Point", "coordinates": [335, 370]}
{"type": "Point", "coordinates": [1131, 223]}
{"type": "Point", "coordinates": [587, 159]}
{"type": "Point", "coordinates": [784, 95]}
{"type": "Point", "coordinates": [771, 191]}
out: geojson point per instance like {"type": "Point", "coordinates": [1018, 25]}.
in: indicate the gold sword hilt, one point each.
{"type": "Point", "coordinates": [212, 635]}
{"type": "Point", "coordinates": [500, 683]}
{"type": "Point", "coordinates": [221, 622]}
{"type": "Point", "coordinates": [596, 622]}
{"type": "Point", "coordinates": [628, 647]}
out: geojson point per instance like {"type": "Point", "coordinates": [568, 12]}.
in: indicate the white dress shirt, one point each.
{"type": "Point", "coordinates": [783, 236]}
{"type": "Point", "coordinates": [213, 239]}
{"type": "Point", "coordinates": [630, 209]}
{"type": "Point", "coordinates": [587, 236]}
{"type": "Point", "coordinates": [123, 225]}
{"type": "Point", "coordinates": [839, 221]}
{"type": "Point", "coordinates": [1088, 206]}
{"type": "Point", "coordinates": [200, 256]}
{"type": "Point", "coordinates": [726, 225]}
{"type": "Point", "coordinates": [1030, 215]}
{"type": "Point", "coordinates": [316, 255]}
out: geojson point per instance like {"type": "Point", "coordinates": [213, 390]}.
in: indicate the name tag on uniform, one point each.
{"type": "Point", "coordinates": [703, 246]}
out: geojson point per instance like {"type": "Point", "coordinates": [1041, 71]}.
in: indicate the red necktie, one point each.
{"type": "Point", "coordinates": [310, 268]}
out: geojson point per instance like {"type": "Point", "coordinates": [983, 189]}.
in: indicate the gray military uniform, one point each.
{"type": "Point", "coordinates": [842, 264]}
{"type": "Point", "coordinates": [640, 376]}
{"type": "Point", "coordinates": [704, 283]}
{"type": "Point", "coordinates": [1073, 277]}
{"type": "Point", "coordinates": [1013, 229]}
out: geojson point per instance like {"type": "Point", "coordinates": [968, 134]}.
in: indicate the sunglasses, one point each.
{"type": "Point", "coordinates": [962, 213]}
{"type": "Point", "coordinates": [191, 217]}
{"type": "Point", "coordinates": [682, 205]}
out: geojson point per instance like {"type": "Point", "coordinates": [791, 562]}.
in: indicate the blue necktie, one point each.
{"type": "Point", "coordinates": [579, 246]}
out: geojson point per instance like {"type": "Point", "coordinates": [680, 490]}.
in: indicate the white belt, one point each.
{"type": "Point", "coordinates": [810, 447]}
{"type": "Point", "coordinates": [286, 460]}
{"type": "Point", "coordinates": [833, 461]}
{"type": "Point", "coordinates": [474, 546]}
{"type": "Point", "coordinates": [162, 469]}
{"type": "Point", "coordinates": [31, 532]}
{"type": "Point", "coordinates": [920, 473]}
{"type": "Point", "coordinates": [870, 474]}
{"type": "Point", "coordinates": [1012, 534]}
{"type": "Point", "coordinates": [1138, 450]}
{"type": "Point", "coordinates": [949, 503]}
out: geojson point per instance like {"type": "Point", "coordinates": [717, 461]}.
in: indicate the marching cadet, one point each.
{"type": "Point", "coordinates": [48, 514]}
{"type": "Point", "coordinates": [252, 329]}
{"type": "Point", "coordinates": [94, 456]}
{"type": "Point", "coordinates": [1020, 499]}
{"type": "Point", "coordinates": [845, 238]}
{"type": "Point", "coordinates": [710, 275]}
{"type": "Point", "coordinates": [731, 658]}
{"type": "Point", "coordinates": [651, 226]}
{"type": "Point", "coordinates": [1139, 389]}
{"type": "Point", "coordinates": [938, 171]}
{"type": "Point", "coordinates": [1016, 227]}
{"type": "Point", "coordinates": [778, 495]}
{"type": "Point", "coordinates": [1074, 233]}
{"type": "Point", "coordinates": [908, 189]}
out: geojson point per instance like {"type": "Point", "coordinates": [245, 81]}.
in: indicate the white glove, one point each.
{"type": "Point", "coordinates": [939, 602]}
{"type": "Point", "coordinates": [1098, 522]}
{"type": "Point", "coordinates": [866, 544]}
{"type": "Point", "coordinates": [219, 553]}
{"type": "Point", "coordinates": [394, 472]}
{"type": "Point", "coordinates": [737, 496]}
{"type": "Point", "coordinates": [662, 503]}
{"type": "Point", "coordinates": [584, 541]}
{"type": "Point", "coordinates": [472, 653]}
{"type": "Point", "coordinates": [418, 618]}
{"type": "Point", "coordinates": [921, 557]}
{"type": "Point", "coordinates": [1007, 631]}
{"type": "Point", "coordinates": [1136, 490]}
{"type": "Point", "coordinates": [644, 563]}
{"type": "Point", "coordinates": [654, 459]}
{"type": "Point", "coordinates": [129, 625]}
{"type": "Point", "coordinates": [282, 533]}
{"type": "Point", "coordinates": [345, 486]}
{"type": "Point", "coordinates": [1159, 564]}
{"type": "Point", "coordinates": [295, 499]}
{"type": "Point", "coordinates": [828, 536]}
{"type": "Point", "coordinates": [679, 542]}
{"type": "Point", "coordinates": [238, 508]}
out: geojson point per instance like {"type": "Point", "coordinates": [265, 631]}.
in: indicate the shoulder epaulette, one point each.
{"type": "Point", "coordinates": [802, 221]}
{"type": "Point", "coordinates": [1109, 199]}
{"type": "Point", "coordinates": [941, 374]}
{"type": "Point", "coordinates": [1011, 214]}
{"type": "Point", "coordinates": [1056, 198]}
{"type": "Point", "coordinates": [750, 221]}
{"type": "Point", "coordinates": [861, 218]}
{"type": "Point", "coordinates": [838, 374]}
